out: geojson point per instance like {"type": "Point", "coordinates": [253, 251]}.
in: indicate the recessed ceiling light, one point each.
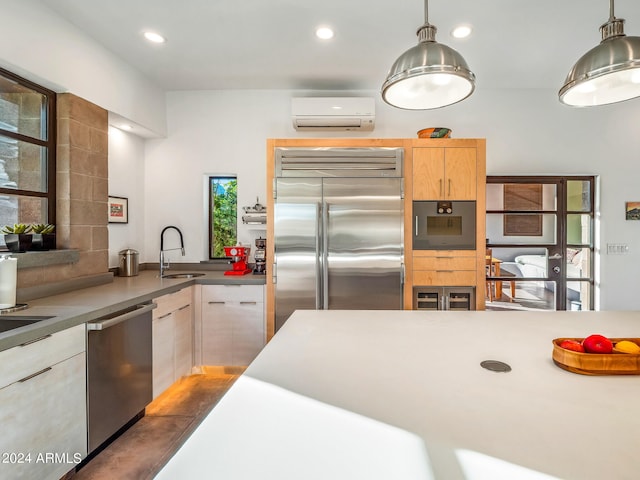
{"type": "Point", "coordinates": [126, 126]}
{"type": "Point", "coordinates": [461, 31]}
{"type": "Point", "coordinates": [324, 33]}
{"type": "Point", "coordinates": [154, 37]}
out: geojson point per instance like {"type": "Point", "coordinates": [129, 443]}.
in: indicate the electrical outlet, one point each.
{"type": "Point", "coordinates": [617, 248]}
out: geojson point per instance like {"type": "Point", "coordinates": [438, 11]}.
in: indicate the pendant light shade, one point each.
{"type": "Point", "coordinates": [608, 73]}
{"type": "Point", "coordinates": [429, 75]}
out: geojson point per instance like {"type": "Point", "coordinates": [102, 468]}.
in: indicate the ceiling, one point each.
{"type": "Point", "coordinates": [270, 44]}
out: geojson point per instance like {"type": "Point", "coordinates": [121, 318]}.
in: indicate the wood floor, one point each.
{"type": "Point", "coordinates": [145, 447]}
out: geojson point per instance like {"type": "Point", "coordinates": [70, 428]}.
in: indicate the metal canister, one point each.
{"type": "Point", "coordinates": [128, 263]}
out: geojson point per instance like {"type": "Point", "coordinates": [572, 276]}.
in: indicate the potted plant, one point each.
{"type": "Point", "coordinates": [17, 237]}
{"type": "Point", "coordinates": [43, 236]}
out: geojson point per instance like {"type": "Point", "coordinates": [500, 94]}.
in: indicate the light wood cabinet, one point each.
{"type": "Point", "coordinates": [43, 406]}
{"type": "Point", "coordinates": [446, 170]}
{"type": "Point", "coordinates": [444, 268]}
{"type": "Point", "coordinates": [444, 173]}
{"type": "Point", "coordinates": [233, 324]}
{"type": "Point", "coordinates": [172, 339]}
{"type": "Point", "coordinates": [449, 169]}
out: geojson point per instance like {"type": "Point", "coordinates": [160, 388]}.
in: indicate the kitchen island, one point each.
{"type": "Point", "coordinates": [402, 395]}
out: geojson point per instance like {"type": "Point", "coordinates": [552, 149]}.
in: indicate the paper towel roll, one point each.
{"type": "Point", "coordinates": [8, 281]}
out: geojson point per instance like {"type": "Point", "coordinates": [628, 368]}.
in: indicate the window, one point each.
{"type": "Point", "coordinates": [223, 214]}
{"type": "Point", "coordinates": [27, 152]}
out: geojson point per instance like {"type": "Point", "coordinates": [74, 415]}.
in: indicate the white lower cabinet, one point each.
{"type": "Point", "coordinates": [172, 339]}
{"type": "Point", "coordinates": [43, 412]}
{"type": "Point", "coordinates": [183, 345]}
{"type": "Point", "coordinates": [233, 324]}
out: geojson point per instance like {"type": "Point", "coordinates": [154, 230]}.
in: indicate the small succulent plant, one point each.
{"type": "Point", "coordinates": [42, 228]}
{"type": "Point", "coordinates": [16, 228]}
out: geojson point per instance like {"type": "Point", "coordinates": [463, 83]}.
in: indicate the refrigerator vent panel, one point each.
{"type": "Point", "coordinates": [338, 162]}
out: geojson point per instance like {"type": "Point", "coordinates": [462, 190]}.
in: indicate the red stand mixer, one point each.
{"type": "Point", "coordinates": [239, 255]}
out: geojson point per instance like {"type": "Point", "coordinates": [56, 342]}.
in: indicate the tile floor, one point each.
{"type": "Point", "coordinates": [145, 447]}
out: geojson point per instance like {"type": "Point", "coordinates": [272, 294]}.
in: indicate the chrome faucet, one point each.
{"type": "Point", "coordinates": [166, 266]}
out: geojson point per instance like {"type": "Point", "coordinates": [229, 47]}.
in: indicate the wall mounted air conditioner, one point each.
{"type": "Point", "coordinates": [333, 113]}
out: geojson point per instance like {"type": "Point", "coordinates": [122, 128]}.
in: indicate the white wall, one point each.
{"type": "Point", "coordinates": [528, 132]}
{"type": "Point", "coordinates": [126, 179]}
{"type": "Point", "coordinates": [43, 47]}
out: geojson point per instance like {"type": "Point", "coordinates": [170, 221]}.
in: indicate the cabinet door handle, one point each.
{"type": "Point", "coordinates": [216, 303]}
{"type": "Point", "coordinates": [184, 306]}
{"type": "Point", "coordinates": [445, 258]}
{"type": "Point", "coordinates": [165, 315]}
{"type": "Point", "coordinates": [445, 271]}
{"type": "Point", "coordinates": [248, 303]}
{"type": "Point", "coordinates": [416, 225]}
{"type": "Point", "coordinates": [34, 341]}
{"type": "Point", "coordinates": [441, 187]}
{"type": "Point", "coordinates": [25, 379]}
{"type": "Point", "coordinates": [108, 322]}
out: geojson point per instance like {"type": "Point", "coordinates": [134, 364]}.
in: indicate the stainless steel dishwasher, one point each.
{"type": "Point", "coordinates": [119, 379]}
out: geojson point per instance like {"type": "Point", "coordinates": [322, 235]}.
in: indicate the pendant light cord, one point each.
{"type": "Point", "coordinates": [426, 12]}
{"type": "Point", "coordinates": [612, 15]}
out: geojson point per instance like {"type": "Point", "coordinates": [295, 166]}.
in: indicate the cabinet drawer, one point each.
{"type": "Point", "coordinates": [444, 262]}
{"type": "Point", "coordinates": [171, 302]}
{"type": "Point", "coordinates": [444, 253]}
{"type": "Point", "coordinates": [19, 362]}
{"type": "Point", "coordinates": [232, 293]}
{"type": "Point", "coordinates": [444, 278]}
{"type": "Point", "coordinates": [45, 415]}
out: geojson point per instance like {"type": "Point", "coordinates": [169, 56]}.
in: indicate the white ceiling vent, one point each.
{"type": "Point", "coordinates": [333, 113]}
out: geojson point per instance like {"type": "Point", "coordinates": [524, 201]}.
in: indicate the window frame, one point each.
{"type": "Point", "coordinates": [561, 245]}
{"type": "Point", "coordinates": [211, 233]}
{"type": "Point", "coordinates": [49, 143]}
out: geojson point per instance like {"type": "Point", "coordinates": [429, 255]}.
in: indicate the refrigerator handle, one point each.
{"type": "Point", "coordinates": [318, 256]}
{"type": "Point", "coordinates": [325, 259]}
{"type": "Point", "coordinates": [402, 273]}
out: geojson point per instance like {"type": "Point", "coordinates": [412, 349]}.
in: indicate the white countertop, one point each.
{"type": "Point", "coordinates": [401, 395]}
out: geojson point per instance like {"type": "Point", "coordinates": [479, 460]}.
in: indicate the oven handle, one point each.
{"type": "Point", "coordinates": [140, 309]}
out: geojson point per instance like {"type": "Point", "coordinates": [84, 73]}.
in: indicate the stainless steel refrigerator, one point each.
{"type": "Point", "coordinates": [338, 229]}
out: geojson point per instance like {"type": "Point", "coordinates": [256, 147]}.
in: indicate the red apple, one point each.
{"type": "Point", "coordinates": [597, 344]}
{"type": "Point", "coordinates": [572, 345]}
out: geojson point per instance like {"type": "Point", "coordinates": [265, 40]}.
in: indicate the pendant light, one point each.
{"type": "Point", "coordinates": [608, 73]}
{"type": "Point", "coordinates": [429, 75]}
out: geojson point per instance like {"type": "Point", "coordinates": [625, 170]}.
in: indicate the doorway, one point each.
{"type": "Point", "coordinates": [540, 232]}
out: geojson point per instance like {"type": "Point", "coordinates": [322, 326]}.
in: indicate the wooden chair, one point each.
{"type": "Point", "coordinates": [489, 271]}
{"type": "Point", "coordinates": [491, 285]}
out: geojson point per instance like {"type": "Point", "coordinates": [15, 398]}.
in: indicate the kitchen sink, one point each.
{"type": "Point", "coordinates": [183, 275]}
{"type": "Point", "coordinates": [9, 322]}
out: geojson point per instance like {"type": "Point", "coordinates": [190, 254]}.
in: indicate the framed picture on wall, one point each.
{"type": "Point", "coordinates": [118, 210]}
{"type": "Point", "coordinates": [632, 210]}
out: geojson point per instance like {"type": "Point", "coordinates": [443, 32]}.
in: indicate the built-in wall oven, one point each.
{"type": "Point", "coordinates": [119, 378]}
{"type": "Point", "coordinates": [444, 225]}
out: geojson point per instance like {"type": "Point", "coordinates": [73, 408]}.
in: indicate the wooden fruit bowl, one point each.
{"type": "Point", "coordinates": [615, 363]}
